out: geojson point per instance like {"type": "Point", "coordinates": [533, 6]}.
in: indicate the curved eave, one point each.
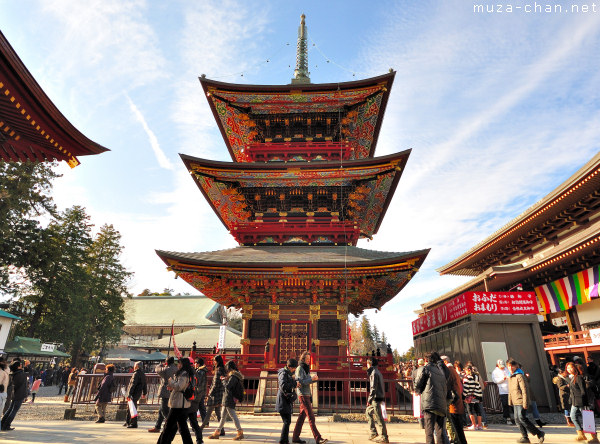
{"type": "Point", "coordinates": [203, 259]}
{"type": "Point", "coordinates": [296, 88]}
{"type": "Point", "coordinates": [501, 277]}
{"type": "Point", "coordinates": [20, 83]}
{"type": "Point", "coordinates": [584, 181]}
{"type": "Point", "coordinates": [396, 161]}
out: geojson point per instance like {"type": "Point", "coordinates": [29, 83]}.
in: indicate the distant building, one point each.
{"type": "Point", "coordinates": [148, 321]}
{"type": "Point", "coordinates": [6, 321]}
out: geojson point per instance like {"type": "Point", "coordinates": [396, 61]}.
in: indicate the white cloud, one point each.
{"type": "Point", "coordinates": [162, 159]}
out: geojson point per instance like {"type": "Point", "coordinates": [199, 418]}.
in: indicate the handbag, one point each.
{"type": "Point", "coordinates": [589, 424]}
{"type": "Point", "coordinates": [132, 410]}
{"type": "Point", "coordinates": [384, 414]}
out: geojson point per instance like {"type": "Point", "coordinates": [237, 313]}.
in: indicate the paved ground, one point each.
{"type": "Point", "coordinates": [40, 423]}
{"type": "Point", "coordinates": [256, 428]}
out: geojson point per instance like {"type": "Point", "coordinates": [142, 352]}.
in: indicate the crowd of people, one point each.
{"type": "Point", "coordinates": [450, 396]}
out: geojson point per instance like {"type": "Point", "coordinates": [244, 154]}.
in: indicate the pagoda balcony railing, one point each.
{"type": "Point", "coordinates": [298, 151]}
{"type": "Point", "coordinates": [567, 339]}
{"type": "Point", "coordinates": [335, 232]}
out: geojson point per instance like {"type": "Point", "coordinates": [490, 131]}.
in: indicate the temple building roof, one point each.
{"type": "Point", "coordinates": [565, 212]}
{"type": "Point", "coordinates": [31, 126]}
{"type": "Point", "coordinates": [328, 112]}
{"type": "Point", "coordinates": [357, 193]}
{"type": "Point", "coordinates": [163, 311]}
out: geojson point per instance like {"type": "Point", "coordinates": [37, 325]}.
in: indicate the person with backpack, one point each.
{"type": "Point", "coordinates": [234, 391]}
{"type": "Point", "coordinates": [286, 395]}
{"type": "Point", "coordinates": [215, 394]}
{"type": "Point", "coordinates": [198, 384]}
{"type": "Point", "coordinates": [178, 404]}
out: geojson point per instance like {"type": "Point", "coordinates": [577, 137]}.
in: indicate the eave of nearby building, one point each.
{"type": "Point", "coordinates": [549, 216]}
{"type": "Point", "coordinates": [561, 260]}
{"type": "Point", "coordinates": [332, 97]}
{"type": "Point", "coordinates": [297, 275]}
{"type": "Point", "coordinates": [218, 181]}
{"type": "Point", "coordinates": [31, 127]}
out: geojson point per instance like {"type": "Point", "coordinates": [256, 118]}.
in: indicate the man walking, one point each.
{"type": "Point", "coordinates": [305, 379]}
{"type": "Point", "coordinates": [137, 389]}
{"type": "Point", "coordinates": [165, 370]}
{"type": "Point", "coordinates": [500, 376]}
{"type": "Point", "coordinates": [376, 397]}
{"type": "Point", "coordinates": [430, 383]}
{"type": "Point", "coordinates": [286, 395]}
{"type": "Point", "coordinates": [519, 398]}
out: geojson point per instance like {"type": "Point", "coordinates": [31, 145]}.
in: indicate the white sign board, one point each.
{"type": "Point", "coordinates": [48, 347]}
{"type": "Point", "coordinates": [595, 335]}
{"type": "Point", "coordinates": [222, 331]}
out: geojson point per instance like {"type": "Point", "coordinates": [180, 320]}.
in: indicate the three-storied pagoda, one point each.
{"type": "Point", "coordinates": [302, 189]}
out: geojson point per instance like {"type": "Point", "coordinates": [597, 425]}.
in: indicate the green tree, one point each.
{"type": "Point", "coordinates": [375, 332]}
{"type": "Point", "coordinates": [77, 298]}
{"type": "Point", "coordinates": [367, 335]}
{"type": "Point", "coordinates": [234, 319]}
{"type": "Point", "coordinates": [24, 198]}
{"type": "Point", "coordinates": [408, 355]}
{"type": "Point", "coordinates": [384, 338]}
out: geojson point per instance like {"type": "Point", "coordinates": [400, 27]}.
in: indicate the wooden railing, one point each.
{"type": "Point", "coordinates": [567, 339]}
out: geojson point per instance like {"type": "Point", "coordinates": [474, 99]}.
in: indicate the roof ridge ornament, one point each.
{"type": "Point", "coordinates": [301, 74]}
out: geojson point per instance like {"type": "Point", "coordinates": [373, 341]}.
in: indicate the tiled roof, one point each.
{"type": "Point", "coordinates": [161, 311]}
{"type": "Point", "coordinates": [296, 255]}
{"type": "Point", "coordinates": [205, 337]}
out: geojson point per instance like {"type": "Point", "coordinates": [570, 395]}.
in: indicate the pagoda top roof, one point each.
{"type": "Point", "coordinates": [300, 256]}
{"type": "Point", "coordinates": [233, 104]}
{"type": "Point", "coordinates": [575, 200]}
{"type": "Point", "coordinates": [31, 126]}
{"type": "Point", "coordinates": [378, 178]}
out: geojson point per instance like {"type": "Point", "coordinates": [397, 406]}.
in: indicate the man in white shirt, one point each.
{"type": "Point", "coordinates": [500, 376]}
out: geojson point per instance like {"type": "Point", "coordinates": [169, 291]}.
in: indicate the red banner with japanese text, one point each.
{"type": "Point", "coordinates": [477, 302]}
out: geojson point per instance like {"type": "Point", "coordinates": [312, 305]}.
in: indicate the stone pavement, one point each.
{"type": "Point", "coordinates": [257, 429]}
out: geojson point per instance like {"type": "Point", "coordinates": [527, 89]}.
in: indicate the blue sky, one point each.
{"type": "Point", "coordinates": [499, 109]}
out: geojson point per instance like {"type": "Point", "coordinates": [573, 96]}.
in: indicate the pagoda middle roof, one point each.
{"type": "Point", "coordinates": [232, 104]}
{"type": "Point", "coordinates": [378, 177]}
{"type": "Point", "coordinates": [31, 126]}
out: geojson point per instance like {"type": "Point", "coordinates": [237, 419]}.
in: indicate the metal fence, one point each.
{"type": "Point", "coordinates": [335, 395]}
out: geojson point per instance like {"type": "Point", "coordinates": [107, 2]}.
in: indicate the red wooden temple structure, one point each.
{"type": "Point", "coordinates": [32, 129]}
{"type": "Point", "coordinates": [302, 189]}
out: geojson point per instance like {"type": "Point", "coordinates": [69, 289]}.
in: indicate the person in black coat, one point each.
{"type": "Point", "coordinates": [104, 395]}
{"type": "Point", "coordinates": [286, 395]}
{"type": "Point", "coordinates": [137, 389]}
{"type": "Point", "coordinates": [19, 382]}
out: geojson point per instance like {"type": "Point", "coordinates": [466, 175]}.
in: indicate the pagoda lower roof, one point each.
{"type": "Point", "coordinates": [234, 104]}
{"type": "Point", "coordinates": [295, 275]}
{"type": "Point", "coordinates": [221, 182]}
{"type": "Point", "coordinates": [278, 256]}
{"type": "Point", "coordinates": [31, 126]}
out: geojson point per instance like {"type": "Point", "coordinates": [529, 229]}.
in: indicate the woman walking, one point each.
{"type": "Point", "coordinates": [234, 390]}
{"type": "Point", "coordinates": [215, 394]}
{"type": "Point", "coordinates": [104, 395]}
{"type": "Point", "coordinates": [562, 381]}
{"type": "Point", "coordinates": [473, 397]}
{"type": "Point", "coordinates": [578, 399]}
{"type": "Point", "coordinates": [178, 405]}
{"type": "Point", "coordinates": [19, 381]}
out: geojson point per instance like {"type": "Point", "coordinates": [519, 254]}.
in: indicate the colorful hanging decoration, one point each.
{"type": "Point", "coordinates": [569, 291]}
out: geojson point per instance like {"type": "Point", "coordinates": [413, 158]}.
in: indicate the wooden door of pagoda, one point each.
{"type": "Point", "coordinates": [293, 340]}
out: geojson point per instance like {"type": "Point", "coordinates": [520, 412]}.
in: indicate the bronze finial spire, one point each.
{"type": "Point", "coordinates": [301, 74]}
